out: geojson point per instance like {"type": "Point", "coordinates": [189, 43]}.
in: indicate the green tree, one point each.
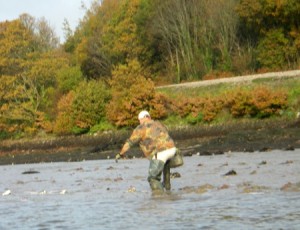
{"type": "Point", "coordinates": [274, 50]}
{"type": "Point", "coordinates": [196, 36]}
{"type": "Point", "coordinates": [68, 78]}
{"type": "Point", "coordinates": [114, 31]}
{"type": "Point", "coordinates": [272, 24]}
{"type": "Point", "coordinates": [90, 99]}
{"type": "Point", "coordinates": [86, 43]}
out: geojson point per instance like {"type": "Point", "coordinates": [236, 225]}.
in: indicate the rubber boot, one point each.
{"type": "Point", "coordinates": [166, 178]}
{"type": "Point", "coordinates": [155, 170]}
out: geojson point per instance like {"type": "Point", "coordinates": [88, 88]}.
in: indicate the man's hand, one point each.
{"type": "Point", "coordinates": [118, 156]}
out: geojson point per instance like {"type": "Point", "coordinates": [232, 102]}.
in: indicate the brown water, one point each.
{"type": "Point", "coordinates": [107, 195]}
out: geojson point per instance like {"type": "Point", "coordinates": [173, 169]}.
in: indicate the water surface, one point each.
{"type": "Point", "coordinates": [103, 194]}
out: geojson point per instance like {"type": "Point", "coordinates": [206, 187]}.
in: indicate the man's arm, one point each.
{"type": "Point", "coordinates": [130, 142]}
{"type": "Point", "coordinates": [125, 148]}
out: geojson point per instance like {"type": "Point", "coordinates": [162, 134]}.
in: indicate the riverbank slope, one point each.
{"type": "Point", "coordinates": [202, 140]}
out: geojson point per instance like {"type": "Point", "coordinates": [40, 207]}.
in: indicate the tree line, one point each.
{"type": "Point", "coordinates": [108, 67]}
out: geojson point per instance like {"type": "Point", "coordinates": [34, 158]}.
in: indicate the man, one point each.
{"type": "Point", "coordinates": [157, 146]}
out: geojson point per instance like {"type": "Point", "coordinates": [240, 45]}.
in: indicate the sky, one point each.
{"type": "Point", "coordinates": [54, 11]}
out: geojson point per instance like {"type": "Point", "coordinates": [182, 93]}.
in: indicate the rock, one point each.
{"type": "Point", "coordinates": [265, 149]}
{"type": "Point", "coordinates": [30, 172]}
{"type": "Point", "coordinates": [230, 173]}
{"type": "Point", "coordinates": [224, 186]}
{"type": "Point", "coordinates": [175, 175]}
{"type": "Point", "coordinates": [290, 148]}
{"type": "Point", "coordinates": [263, 163]}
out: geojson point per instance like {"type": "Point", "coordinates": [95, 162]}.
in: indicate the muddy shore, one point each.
{"type": "Point", "coordinates": [201, 140]}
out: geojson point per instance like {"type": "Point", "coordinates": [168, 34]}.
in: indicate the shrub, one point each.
{"type": "Point", "coordinates": [159, 106]}
{"type": "Point", "coordinates": [88, 105]}
{"type": "Point", "coordinates": [69, 78]}
{"type": "Point", "coordinates": [267, 103]}
{"type": "Point", "coordinates": [64, 121]}
{"type": "Point", "coordinates": [238, 102]}
{"type": "Point", "coordinates": [211, 108]}
{"type": "Point", "coordinates": [187, 106]}
{"type": "Point", "coordinates": [41, 122]}
{"type": "Point", "coordinates": [132, 92]}
{"type": "Point", "coordinates": [259, 102]}
{"type": "Point", "coordinates": [103, 126]}
{"type": "Point", "coordinates": [274, 50]}
{"type": "Point", "coordinates": [198, 109]}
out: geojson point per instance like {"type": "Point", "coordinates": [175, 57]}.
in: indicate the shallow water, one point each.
{"type": "Point", "coordinates": [107, 195]}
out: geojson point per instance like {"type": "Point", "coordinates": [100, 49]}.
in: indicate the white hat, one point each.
{"type": "Point", "coordinates": [143, 114]}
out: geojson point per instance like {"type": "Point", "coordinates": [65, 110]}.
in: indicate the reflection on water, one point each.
{"type": "Point", "coordinates": [108, 195]}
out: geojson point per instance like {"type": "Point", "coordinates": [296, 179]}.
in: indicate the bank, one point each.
{"type": "Point", "coordinates": [243, 136]}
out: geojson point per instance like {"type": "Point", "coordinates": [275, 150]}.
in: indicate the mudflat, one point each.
{"type": "Point", "coordinates": [260, 136]}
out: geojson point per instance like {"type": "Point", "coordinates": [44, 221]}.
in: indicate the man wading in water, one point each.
{"type": "Point", "coordinates": [158, 147]}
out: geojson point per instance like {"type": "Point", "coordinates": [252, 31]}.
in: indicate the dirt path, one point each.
{"type": "Point", "coordinates": [238, 79]}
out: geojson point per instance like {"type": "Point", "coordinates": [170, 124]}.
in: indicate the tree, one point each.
{"type": "Point", "coordinates": [90, 99]}
{"type": "Point", "coordinates": [82, 108]}
{"type": "Point", "coordinates": [45, 38]}
{"type": "Point", "coordinates": [27, 72]}
{"type": "Point", "coordinates": [274, 26]}
{"type": "Point", "coordinates": [15, 43]}
{"type": "Point", "coordinates": [112, 36]}
{"type": "Point", "coordinates": [131, 93]}
{"type": "Point", "coordinates": [199, 37]}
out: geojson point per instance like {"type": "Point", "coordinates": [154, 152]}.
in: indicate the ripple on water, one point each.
{"type": "Point", "coordinates": [106, 195]}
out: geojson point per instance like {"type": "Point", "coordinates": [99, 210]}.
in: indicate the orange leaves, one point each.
{"type": "Point", "coordinates": [42, 122]}
{"type": "Point", "coordinates": [202, 109]}
{"type": "Point", "coordinates": [259, 102]}
{"type": "Point", "coordinates": [27, 74]}
{"type": "Point", "coordinates": [267, 103]}
{"type": "Point", "coordinates": [64, 120]}
{"type": "Point", "coordinates": [131, 93]}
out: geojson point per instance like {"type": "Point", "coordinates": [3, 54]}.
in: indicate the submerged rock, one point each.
{"type": "Point", "coordinates": [199, 190]}
{"type": "Point", "coordinates": [248, 187]}
{"type": "Point", "coordinates": [291, 187]}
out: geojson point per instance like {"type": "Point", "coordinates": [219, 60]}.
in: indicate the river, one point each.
{"type": "Point", "coordinates": [103, 194]}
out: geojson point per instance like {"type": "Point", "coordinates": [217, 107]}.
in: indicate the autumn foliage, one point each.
{"type": "Point", "coordinates": [107, 69]}
{"type": "Point", "coordinates": [81, 109]}
{"type": "Point", "coordinates": [132, 92]}
{"type": "Point", "coordinates": [260, 102]}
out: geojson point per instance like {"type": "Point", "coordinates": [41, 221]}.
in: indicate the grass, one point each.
{"type": "Point", "coordinates": [290, 85]}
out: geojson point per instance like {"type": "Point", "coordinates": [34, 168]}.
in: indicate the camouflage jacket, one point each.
{"type": "Point", "coordinates": [152, 136]}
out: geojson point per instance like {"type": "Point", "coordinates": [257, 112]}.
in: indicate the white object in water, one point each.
{"type": "Point", "coordinates": [6, 193]}
{"type": "Point", "coordinates": [131, 189]}
{"type": "Point", "coordinates": [63, 191]}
